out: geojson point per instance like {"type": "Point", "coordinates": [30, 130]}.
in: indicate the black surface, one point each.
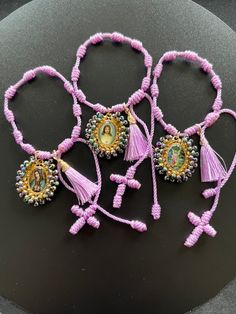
{"type": "Point", "coordinates": [116, 268]}
{"type": "Point", "coordinates": [8, 6]}
{"type": "Point", "coordinates": [224, 9]}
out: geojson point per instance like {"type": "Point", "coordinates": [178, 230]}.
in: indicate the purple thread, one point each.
{"type": "Point", "coordinates": [201, 224]}
{"type": "Point", "coordinates": [87, 215]}
{"type": "Point", "coordinates": [208, 156]}
{"type": "Point", "coordinates": [207, 67]}
{"type": "Point", "coordinates": [126, 181]}
{"type": "Point", "coordinates": [10, 93]}
{"type": "Point", "coordinates": [137, 144]}
{"type": "Point", "coordinates": [137, 96]}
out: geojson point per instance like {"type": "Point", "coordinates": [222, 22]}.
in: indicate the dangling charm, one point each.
{"type": "Point", "coordinates": [176, 158]}
{"type": "Point", "coordinates": [212, 165]}
{"type": "Point", "coordinates": [83, 187]}
{"type": "Point", "coordinates": [137, 142]}
{"type": "Point", "coordinates": [37, 180]}
{"type": "Point", "coordinates": [107, 134]}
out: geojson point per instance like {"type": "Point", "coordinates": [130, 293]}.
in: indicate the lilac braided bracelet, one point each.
{"type": "Point", "coordinates": [66, 144]}
{"type": "Point", "coordinates": [176, 158]}
{"type": "Point", "coordinates": [101, 127]}
{"type": "Point", "coordinates": [137, 96]}
{"type": "Point", "coordinates": [128, 179]}
{"type": "Point", "coordinates": [111, 130]}
{"type": "Point", "coordinates": [201, 224]}
{"type": "Point", "coordinates": [37, 178]}
{"type": "Point", "coordinates": [179, 168]}
{"type": "Point", "coordinates": [207, 67]}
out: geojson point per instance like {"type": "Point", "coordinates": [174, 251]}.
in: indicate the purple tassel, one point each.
{"type": "Point", "coordinates": [211, 167]}
{"type": "Point", "coordinates": [137, 142]}
{"type": "Point", "coordinates": [83, 187]}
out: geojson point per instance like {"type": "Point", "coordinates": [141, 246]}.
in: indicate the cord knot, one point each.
{"type": "Point", "coordinates": [171, 129]}
{"type": "Point", "coordinates": [10, 92]}
{"type": "Point", "coordinates": [65, 145]}
{"type": "Point", "coordinates": [117, 37]}
{"type": "Point", "coordinates": [75, 74]}
{"type": "Point", "coordinates": [48, 70]}
{"type": "Point", "coordinates": [206, 66]}
{"type": "Point", "coordinates": [158, 69]}
{"type": "Point", "coordinates": [154, 90]}
{"type": "Point", "coordinates": [76, 110]}
{"type": "Point", "coordinates": [81, 51]}
{"type": "Point", "coordinates": [146, 83]}
{"type": "Point", "coordinates": [170, 55]}
{"type": "Point", "coordinates": [29, 75]}
{"type": "Point", "coordinates": [138, 225]}
{"type": "Point", "coordinates": [68, 86]}
{"type": "Point", "coordinates": [157, 113]}
{"type": "Point", "coordinates": [136, 97]}
{"type": "Point", "coordinates": [136, 44]}
{"type": "Point", "coordinates": [97, 38]}
{"type": "Point", "coordinates": [209, 192]}
{"type": "Point", "coordinates": [80, 95]}
{"type": "Point", "coordinates": [216, 82]}
{"type": "Point", "coordinates": [211, 118]}
{"type": "Point", "coordinates": [156, 211]}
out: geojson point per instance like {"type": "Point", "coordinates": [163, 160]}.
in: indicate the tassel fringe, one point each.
{"type": "Point", "coordinates": [211, 167]}
{"type": "Point", "coordinates": [83, 187]}
{"type": "Point", "coordinates": [137, 142]}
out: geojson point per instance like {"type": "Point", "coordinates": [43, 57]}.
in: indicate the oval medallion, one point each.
{"type": "Point", "coordinates": [37, 180]}
{"type": "Point", "coordinates": [176, 158]}
{"type": "Point", "coordinates": [107, 134]}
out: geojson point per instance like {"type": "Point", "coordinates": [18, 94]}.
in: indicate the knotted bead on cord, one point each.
{"type": "Point", "coordinates": [97, 38]}
{"type": "Point", "coordinates": [81, 52]}
{"type": "Point", "coordinates": [192, 129]}
{"type": "Point", "coordinates": [157, 113]}
{"type": "Point", "coordinates": [206, 65]}
{"type": "Point", "coordinates": [136, 97]}
{"type": "Point", "coordinates": [80, 95]}
{"type": "Point", "coordinates": [154, 90]}
{"type": "Point", "coordinates": [75, 74]}
{"type": "Point", "coordinates": [10, 92]}
{"type": "Point", "coordinates": [29, 75]}
{"type": "Point", "coordinates": [211, 118]}
{"type": "Point", "coordinates": [9, 115]}
{"type": "Point", "coordinates": [117, 37]}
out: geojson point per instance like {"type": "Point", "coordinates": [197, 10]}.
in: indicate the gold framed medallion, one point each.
{"type": "Point", "coordinates": [37, 180]}
{"type": "Point", "coordinates": [176, 158]}
{"type": "Point", "coordinates": [107, 134]}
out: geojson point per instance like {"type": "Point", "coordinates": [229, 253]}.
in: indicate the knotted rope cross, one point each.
{"type": "Point", "coordinates": [201, 226]}
{"type": "Point", "coordinates": [123, 182]}
{"type": "Point", "coordinates": [85, 216]}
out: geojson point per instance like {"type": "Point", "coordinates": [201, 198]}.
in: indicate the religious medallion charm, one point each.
{"type": "Point", "coordinates": [37, 180]}
{"type": "Point", "coordinates": [176, 158]}
{"type": "Point", "coordinates": [107, 134]}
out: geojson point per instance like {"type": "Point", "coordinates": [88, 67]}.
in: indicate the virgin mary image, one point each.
{"type": "Point", "coordinates": [37, 180]}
